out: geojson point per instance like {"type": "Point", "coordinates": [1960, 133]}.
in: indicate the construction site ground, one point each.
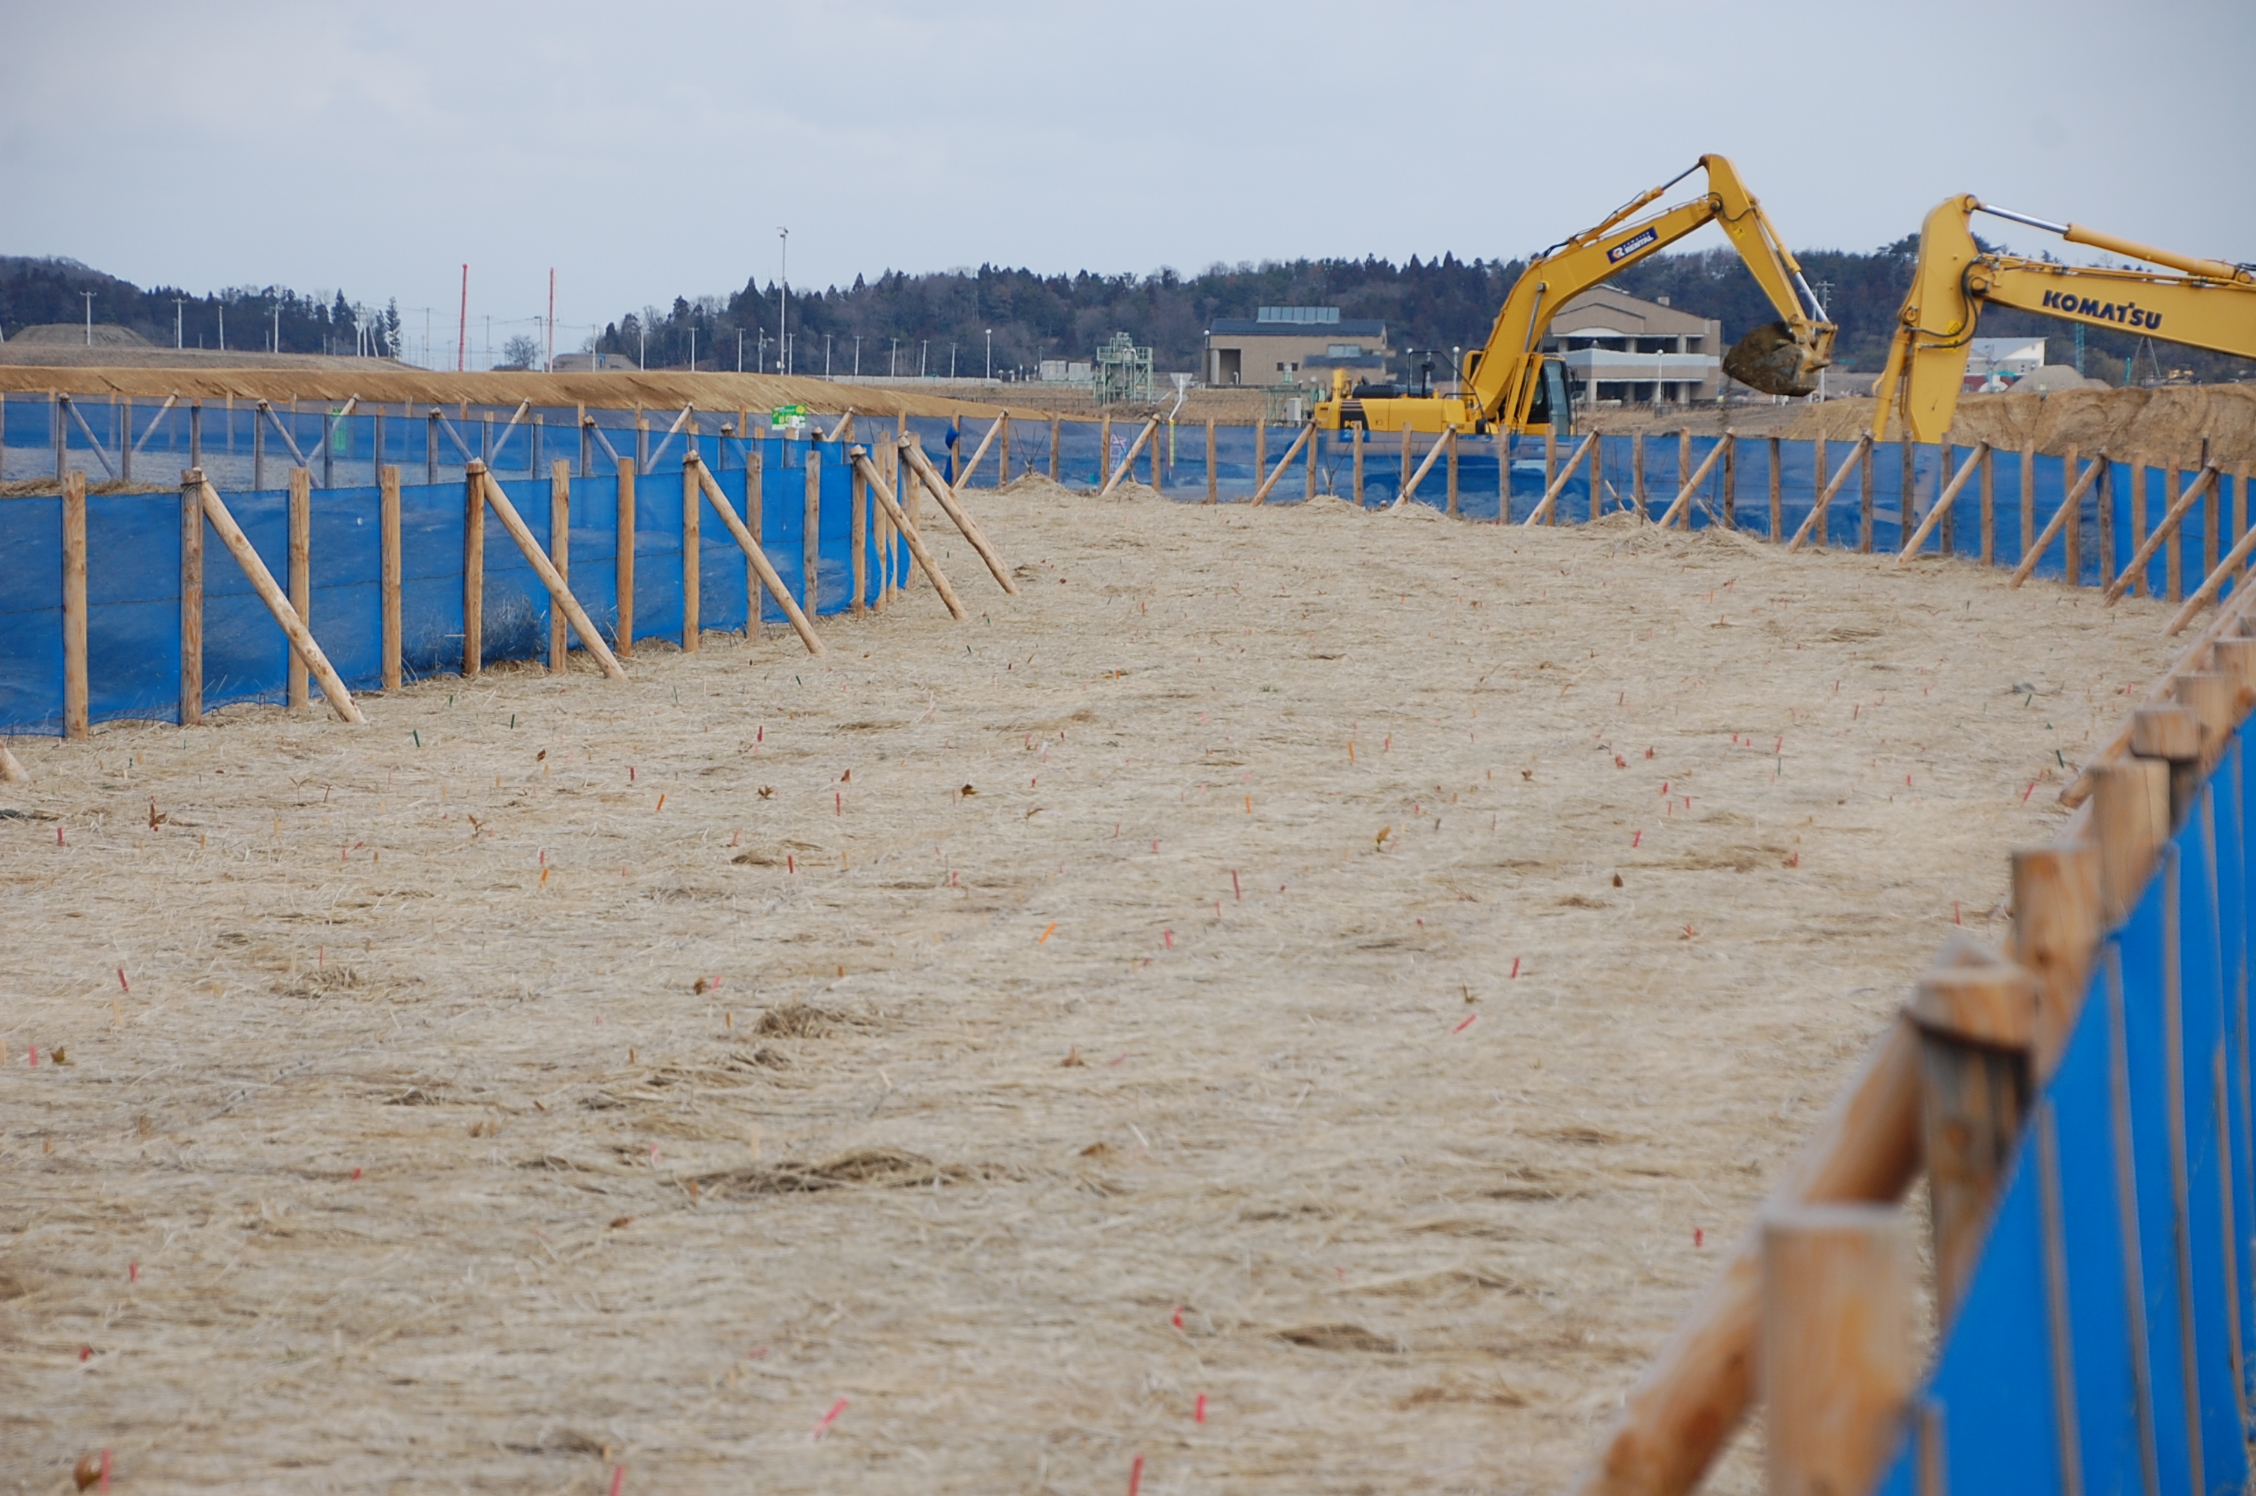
{"type": "Point", "coordinates": [1349, 977]}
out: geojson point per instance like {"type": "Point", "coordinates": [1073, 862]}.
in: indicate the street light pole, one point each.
{"type": "Point", "coordinates": [89, 295]}
{"type": "Point", "coordinates": [990, 353]}
{"type": "Point", "coordinates": [783, 300]}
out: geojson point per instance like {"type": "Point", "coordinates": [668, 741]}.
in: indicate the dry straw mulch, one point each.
{"type": "Point", "coordinates": [1329, 962]}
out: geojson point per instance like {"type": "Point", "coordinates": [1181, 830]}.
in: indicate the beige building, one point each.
{"type": "Point", "coordinates": [1620, 350]}
{"type": "Point", "coordinates": [1293, 345]}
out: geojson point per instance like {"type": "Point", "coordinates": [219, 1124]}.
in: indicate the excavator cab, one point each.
{"type": "Point", "coordinates": [1551, 409]}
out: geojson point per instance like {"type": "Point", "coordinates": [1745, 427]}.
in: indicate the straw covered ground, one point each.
{"type": "Point", "coordinates": [1360, 970]}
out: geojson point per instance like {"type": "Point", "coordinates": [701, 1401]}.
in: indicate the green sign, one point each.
{"type": "Point", "coordinates": [788, 415]}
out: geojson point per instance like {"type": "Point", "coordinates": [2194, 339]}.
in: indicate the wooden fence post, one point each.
{"type": "Point", "coordinates": [2173, 552]}
{"type": "Point", "coordinates": [388, 542]}
{"type": "Point", "coordinates": [1166, 430]}
{"type": "Point", "coordinates": [431, 448]}
{"type": "Point", "coordinates": [1308, 488]}
{"type": "Point", "coordinates": [124, 404]}
{"type": "Point", "coordinates": [1213, 487]}
{"type": "Point", "coordinates": [1355, 436]}
{"type": "Point", "coordinates": [1777, 495]}
{"type": "Point", "coordinates": [2075, 524]}
{"type": "Point", "coordinates": [1977, 1025]}
{"type": "Point", "coordinates": [693, 500]}
{"type": "Point", "coordinates": [755, 513]}
{"type": "Point", "coordinates": [1730, 481]}
{"type": "Point", "coordinates": [2130, 820]}
{"type": "Point", "coordinates": [2056, 930]}
{"type": "Point", "coordinates": [1597, 476]}
{"type": "Point", "coordinates": [2212, 511]}
{"type": "Point", "coordinates": [75, 691]}
{"type": "Point", "coordinates": [1002, 455]}
{"type": "Point", "coordinates": [622, 635]}
{"type": "Point", "coordinates": [1054, 424]}
{"type": "Point", "coordinates": [810, 539]}
{"type": "Point", "coordinates": [1104, 454]}
{"type": "Point", "coordinates": [1260, 449]}
{"type": "Point", "coordinates": [473, 568]}
{"type": "Point", "coordinates": [301, 572]}
{"type": "Point", "coordinates": [858, 540]}
{"type": "Point", "coordinates": [1817, 488]}
{"type": "Point", "coordinates": [1836, 1357]}
{"type": "Point", "coordinates": [1864, 495]}
{"type": "Point", "coordinates": [1989, 505]}
{"type": "Point", "coordinates": [559, 556]}
{"type": "Point", "coordinates": [1906, 498]}
{"type": "Point", "coordinates": [2138, 519]}
{"type": "Point", "coordinates": [1683, 465]}
{"type": "Point", "coordinates": [1636, 463]}
{"type": "Point", "coordinates": [191, 597]}
{"type": "Point", "coordinates": [1450, 436]}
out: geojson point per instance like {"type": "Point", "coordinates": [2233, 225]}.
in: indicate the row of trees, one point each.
{"type": "Point", "coordinates": [946, 322]}
{"type": "Point", "coordinates": [36, 291]}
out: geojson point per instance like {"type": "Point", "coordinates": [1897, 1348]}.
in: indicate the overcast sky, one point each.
{"type": "Point", "coordinates": [648, 150]}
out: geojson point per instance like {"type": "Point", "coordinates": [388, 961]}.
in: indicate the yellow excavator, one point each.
{"type": "Point", "coordinates": [1512, 385]}
{"type": "Point", "coordinates": [2205, 304]}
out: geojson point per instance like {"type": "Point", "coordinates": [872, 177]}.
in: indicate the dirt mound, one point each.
{"type": "Point", "coordinates": [78, 335]}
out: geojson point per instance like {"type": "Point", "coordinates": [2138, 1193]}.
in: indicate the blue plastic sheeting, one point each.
{"type": "Point", "coordinates": [2150, 1163]}
{"type": "Point", "coordinates": [133, 580]}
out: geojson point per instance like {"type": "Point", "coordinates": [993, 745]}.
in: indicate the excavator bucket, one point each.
{"type": "Point", "coordinates": [1770, 360]}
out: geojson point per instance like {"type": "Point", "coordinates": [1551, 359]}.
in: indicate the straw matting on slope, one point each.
{"type": "Point", "coordinates": [986, 998]}
{"type": "Point", "coordinates": [380, 381]}
{"type": "Point", "coordinates": [2166, 425]}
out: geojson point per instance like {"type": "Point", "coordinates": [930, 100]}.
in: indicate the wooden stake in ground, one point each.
{"type": "Point", "coordinates": [262, 581]}
{"type": "Point", "coordinates": [625, 556]}
{"type": "Point", "coordinates": [1557, 485]}
{"type": "Point", "coordinates": [1836, 1356]}
{"type": "Point", "coordinates": [810, 533]}
{"type": "Point", "coordinates": [388, 540]}
{"type": "Point", "coordinates": [692, 583]}
{"type": "Point", "coordinates": [559, 595]}
{"type": "Point", "coordinates": [917, 547]}
{"type": "Point", "coordinates": [75, 691]}
{"type": "Point", "coordinates": [2181, 504]}
{"type": "Point", "coordinates": [1410, 489]}
{"type": "Point", "coordinates": [948, 501]}
{"type": "Point", "coordinates": [857, 543]}
{"type": "Point", "coordinates": [755, 512]}
{"type": "Point", "coordinates": [2061, 518]}
{"type": "Point", "coordinates": [191, 599]}
{"type": "Point", "coordinates": [301, 573]}
{"type": "Point", "coordinates": [473, 569]}
{"type": "Point", "coordinates": [2056, 929]}
{"type": "Point", "coordinates": [753, 555]}
{"type": "Point", "coordinates": [559, 556]}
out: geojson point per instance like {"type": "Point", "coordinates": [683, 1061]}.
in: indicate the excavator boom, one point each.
{"type": "Point", "coordinates": [2207, 304]}
{"type": "Point", "coordinates": [1510, 385]}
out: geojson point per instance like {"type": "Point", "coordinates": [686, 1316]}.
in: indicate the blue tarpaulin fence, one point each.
{"type": "Point", "coordinates": [133, 544]}
{"type": "Point", "coordinates": [246, 449]}
{"type": "Point", "coordinates": [2103, 1344]}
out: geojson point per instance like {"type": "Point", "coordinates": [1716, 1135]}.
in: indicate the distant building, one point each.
{"type": "Point", "coordinates": [582, 363]}
{"type": "Point", "coordinates": [1995, 364]}
{"type": "Point", "coordinates": [1066, 371]}
{"type": "Point", "coordinates": [1293, 345]}
{"type": "Point", "coordinates": [1620, 350]}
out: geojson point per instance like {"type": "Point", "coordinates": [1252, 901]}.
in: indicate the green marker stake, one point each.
{"type": "Point", "coordinates": [512, 720]}
{"type": "Point", "coordinates": [418, 736]}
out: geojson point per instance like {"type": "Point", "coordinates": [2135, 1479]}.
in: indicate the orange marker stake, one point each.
{"type": "Point", "coordinates": [823, 1424]}
{"type": "Point", "coordinates": [618, 1479]}
{"type": "Point", "coordinates": [1046, 934]}
{"type": "Point", "coordinates": [661, 806]}
{"type": "Point", "coordinates": [1136, 1475]}
{"type": "Point", "coordinates": [1198, 1415]}
{"type": "Point", "coordinates": [1234, 888]}
{"type": "Point", "coordinates": [122, 982]}
{"type": "Point", "coordinates": [1470, 1020]}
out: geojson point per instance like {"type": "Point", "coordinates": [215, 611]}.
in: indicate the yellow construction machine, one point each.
{"type": "Point", "coordinates": [2206, 304]}
{"type": "Point", "coordinates": [1512, 385]}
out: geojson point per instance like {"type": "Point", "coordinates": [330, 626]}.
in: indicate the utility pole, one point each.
{"type": "Point", "coordinates": [893, 361]}
{"type": "Point", "coordinates": [826, 355]}
{"type": "Point", "coordinates": [693, 348]}
{"type": "Point", "coordinates": [857, 355]}
{"type": "Point", "coordinates": [740, 350]}
{"type": "Point", "coordinates": [89, 295]}
{"type": "Point", "coordinates": [783, 299]}
{"type": "Point", "coordinates": [924, 358]}
{"type": "Point", "coordinates": [551, 366]}
{"type": "Point", "coordinates": [951, 361]}
{"type": "Point", "coordinates": [990, 353]}
{"type": "Point", "coordinates": [462, 330]}
{"type": "Point", "coordinates": [277, 324]}
{"type": "Point", "coordinates": [179, 334]}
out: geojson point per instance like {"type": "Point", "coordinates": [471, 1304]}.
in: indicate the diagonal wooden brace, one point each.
{"type": "Point", "coordinates": [277, 603]}
{"type": "Point", "coordinates": [752, 554]}
{"type": "Point", "coordinates": [935, 485]}
{"type": "Point", "coordinates": [1558, 484]}
{"type": "Point", "coordinates": [883, 492]}
{"type": "Point", "coordinates": [559, 595]}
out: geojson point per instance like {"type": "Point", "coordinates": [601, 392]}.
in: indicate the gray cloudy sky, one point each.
{"type": "Point", "coordinates": [649, 150]}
